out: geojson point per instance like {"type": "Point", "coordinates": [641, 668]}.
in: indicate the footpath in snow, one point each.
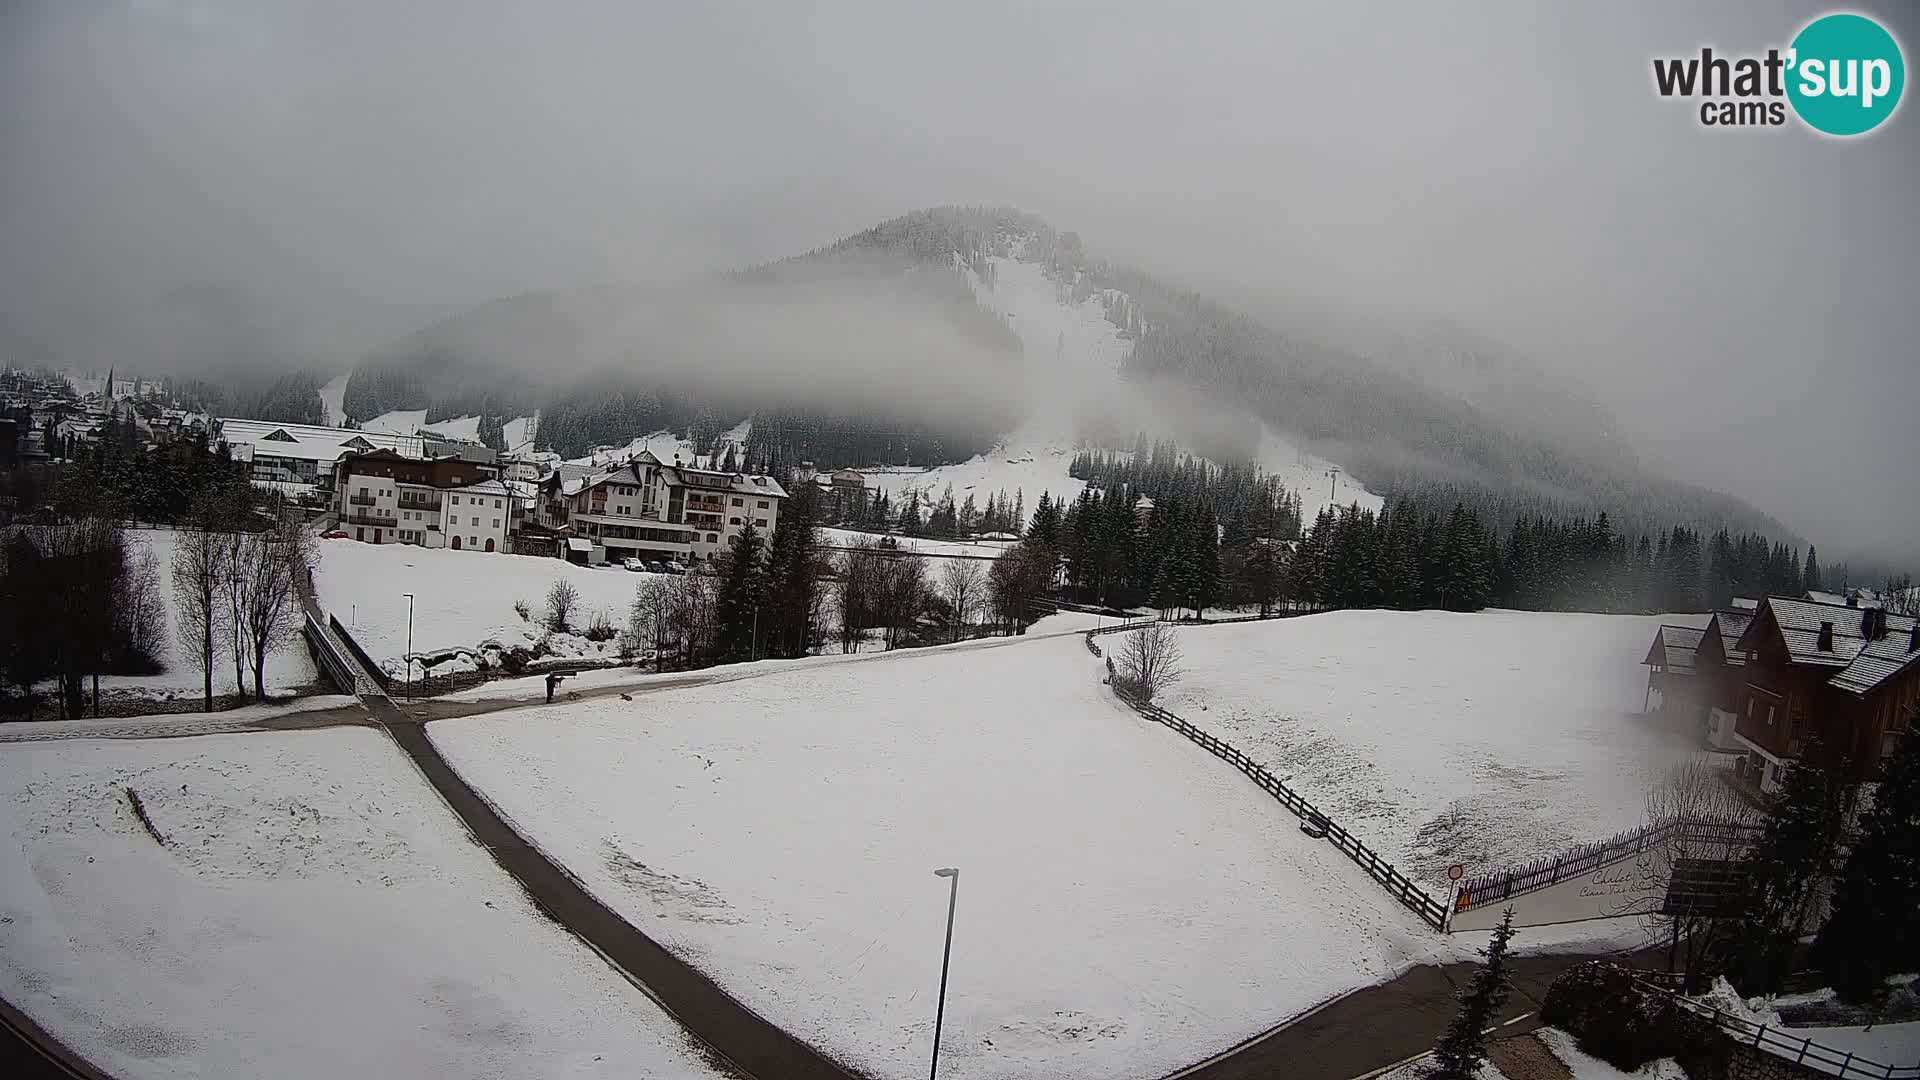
{"type": "Point", "coordinates": [1487, 738]}
{"type": "Point", "coordinates": [1127, 905]}
{"type": "Point", "coordinates": [315, 913]}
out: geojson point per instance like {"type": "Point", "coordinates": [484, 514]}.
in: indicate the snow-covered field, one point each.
{"type": "Point", "coordinates": [288, 669]}
{"type": "Point", "coordinates": [461, 598]}
{"type": "Point", "coordinates": [1126, 905]}
{"type": "Point", "coordinates": [316, 913]}
{"type": "Point", "coordinates": [1486, 738]}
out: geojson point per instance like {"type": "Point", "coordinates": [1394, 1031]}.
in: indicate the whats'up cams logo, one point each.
{"type": "Point", "coordinates": [1842, 76]}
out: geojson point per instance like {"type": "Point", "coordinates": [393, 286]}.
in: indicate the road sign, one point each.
{"type": "Point", "coordinates": [1456, 872]}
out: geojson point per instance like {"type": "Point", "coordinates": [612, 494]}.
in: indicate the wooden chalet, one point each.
{"type": "Point", "coordinates": [1798, 668]}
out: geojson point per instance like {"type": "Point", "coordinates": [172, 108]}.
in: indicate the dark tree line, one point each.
{"type": "Point", "coordinates": [119, 476]}
{"type": "Point", "coordinates": [77, 601]}
{"type": "Point", "coordinates": [1245, 501]}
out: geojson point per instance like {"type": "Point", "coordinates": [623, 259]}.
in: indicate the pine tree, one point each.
{"type": "Point", "coordinates": [1462, 1049]}
{"type": "Point", "coordinates": [1810, 577]}
{"type": "Point", "coordinates": [1781, 874]}
{"type": "Point", "coordinates": [737, 607]}
{"type": "Point", "coordinates": [1872, 932]}
{"type": "Point", "coordinates": [790, 591]}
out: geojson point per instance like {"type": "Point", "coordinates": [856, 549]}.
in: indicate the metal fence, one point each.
{"type": "Point", "coordinates": [336, 666]}
{"type": "Point", "coordinates": [372, 669]}
{"type": "Point", "coordinates": [1775, 1041]}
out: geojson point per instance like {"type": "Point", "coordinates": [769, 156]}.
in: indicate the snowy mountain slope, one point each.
{"type": "Point", "coordinates": [331, 396]}
{"type": "Point", "coordinates": [1074, 356]}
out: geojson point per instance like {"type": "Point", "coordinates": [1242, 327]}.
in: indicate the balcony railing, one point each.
{"type": "Point", "coordinates": [419, 504]}
{"type": "Point", "coordinates": [361, 500]}
{"type": "Point", "coordinates": [383, 520]}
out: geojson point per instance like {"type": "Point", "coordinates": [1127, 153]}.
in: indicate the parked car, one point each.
{"type": "Point", "coordinates": [634, 565]}
{"type": "Point", "coordinates": [335, 534]}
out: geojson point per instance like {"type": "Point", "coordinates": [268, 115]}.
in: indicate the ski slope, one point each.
{"type": "Point", "coordinates": [1487, 738]}
{"type": "Point", "coordinates": [1126, 903]}
{"type": "Point", "coordinates": [1074, 357]}
{"type": "Point", "coordinates": [332, 397]}
{"type": "Point", "coordinates": [315, 913]}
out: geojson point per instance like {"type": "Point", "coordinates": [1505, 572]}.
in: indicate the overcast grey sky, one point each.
{"type": "Point", "coordinates": [1747, 301]}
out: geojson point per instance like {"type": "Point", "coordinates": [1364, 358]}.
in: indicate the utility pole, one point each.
{"type": "Point", "coordinates": [1332, 480]}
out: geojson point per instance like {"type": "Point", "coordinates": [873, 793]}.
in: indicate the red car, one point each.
{"type": "Point", "coordinates": [335, 534]}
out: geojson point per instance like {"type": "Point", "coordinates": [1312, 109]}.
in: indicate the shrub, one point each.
{"type": "Point", "coordinates": [561, 600]}
{"type": "Point", "coordinates": [523, 609]}
{"type": "Point", "coordinates": [601, 628]}
{"type": "Point", "coordinates": [1613, 1017]}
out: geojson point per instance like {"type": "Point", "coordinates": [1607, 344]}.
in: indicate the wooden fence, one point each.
{"type": "Point", "coordinates": [1776, 1041]}
{"type": "Point", "coordinates": [1415, 899]}
{"type": "Point", "coordinates": [1498, 887]}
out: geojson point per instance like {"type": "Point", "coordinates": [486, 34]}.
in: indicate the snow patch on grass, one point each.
{"type": "Point", "coordinates": [314, 913]}
{"type": "Point", "coordinates": [1128, 904]}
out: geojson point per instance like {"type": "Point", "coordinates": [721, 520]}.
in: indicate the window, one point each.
{"type": "Point", "coordinates": [496, 523]}
{"type": "Point", "coordinates": [1769, 716]}
{"type": "Point", "coordinates": [456, 500]}
{"type": "Point", "coordinates": [733, 521]}
{"type": "Point", "coordinates": [762, 504]}
{"type": "Point", "coordinates": [712, 539]}
{"type": "Point", "coordinates": [737, 502]}
{"type": "Point", "coordinates": [476, 521]}
{"type": "Point", "coordinates": [759, 523]}
{"type": "Point", "coordinates": [472, 541]}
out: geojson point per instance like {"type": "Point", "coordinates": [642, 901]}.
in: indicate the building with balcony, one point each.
{"type": "Point", "coordinates": [384, 497]}
{"type": "Point", "coordinates": [1792, 669]}
{"type": "Point", "coordinates": [647, 509]}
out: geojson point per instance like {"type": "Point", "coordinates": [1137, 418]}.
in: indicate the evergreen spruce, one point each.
{"type": "Point", "coordinates": [1873, 931]}
{"type": "Point", "coordinates": [1782, 873]}
{"type": "Point", "coordinates": [737, 606]}
{"type": "Point", "coordinates": [1463, 1048]}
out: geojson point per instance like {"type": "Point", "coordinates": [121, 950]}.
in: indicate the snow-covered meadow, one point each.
{"type": "Point", "coordinates": [315, 913]}
{"type": "Point", "coordinates": [1487, 738]}
{"type": "Point", "coordinates": [461, 598]}
{"type": "Point", "coordinates": [1126, 904]}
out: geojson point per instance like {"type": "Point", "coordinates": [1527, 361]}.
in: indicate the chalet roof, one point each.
{"type": "Point", "coordinates": [311, 442]}
{"type": "Point", "coordinates": [484, 487]}
{"type": "Point", "coordinates": [577, 478]}
{"type": "Point", "coordinates": [1878, 662]}
{"type": "Point", "coordinates": [1674, 647]}
{"type": "Point", "coordinates": [1800, 622]}
{"type": "Point", "coordinates": [1731, 624]}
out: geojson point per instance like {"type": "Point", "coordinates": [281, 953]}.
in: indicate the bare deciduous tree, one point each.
{"type": "Point", "coordinates": [267, 572]}
{"type": "Point", "coordinates": [1149, 660]}
{"type": "Point", "coordinates": [960, 581]}
{"type": "Point", "coordinates": [561, 600]}
{"type": "Point", "coordinates": [199, 575]}
{"type": "Point", "coordinates": [1695, 820]}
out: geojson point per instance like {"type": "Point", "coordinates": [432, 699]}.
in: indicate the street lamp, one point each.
{"type": "Point", "coordinates": [409, 597]}
{"type": "Point", "coordinates": [940, 1012]}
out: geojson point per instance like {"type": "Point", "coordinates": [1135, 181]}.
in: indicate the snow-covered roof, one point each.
{"type": "Point", "coordinates": [311, 442]}
{"type": "Point", "coordinates": [576, 543]}
{"type": "Point", "coordinates": [1731, 624]}
{"type": "Point", "coordinates": [1863, 664]}
{"type": "Point", "coordinates": [484, 487]}
{"type": "Point", "coordinates": [1674, 648]}
{"type": "Point", "coordinates": [1878, 661]}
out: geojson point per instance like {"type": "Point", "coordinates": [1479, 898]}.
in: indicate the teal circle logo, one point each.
{"type": "Point", "coordinates": [1846, 74]}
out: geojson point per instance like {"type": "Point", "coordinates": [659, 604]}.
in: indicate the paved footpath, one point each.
{"type": "Point", "coordinates": [1378, 1026]}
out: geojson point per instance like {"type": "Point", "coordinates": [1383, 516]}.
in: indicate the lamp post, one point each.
{"type": "Point", "coordinates": [952, 874]}
{"type": "Point", "coordinates": [409, 597]}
